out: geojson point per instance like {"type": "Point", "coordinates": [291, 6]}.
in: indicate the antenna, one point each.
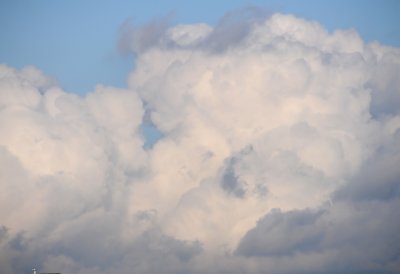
{"type": "Point", "coordinates": [34, 272]}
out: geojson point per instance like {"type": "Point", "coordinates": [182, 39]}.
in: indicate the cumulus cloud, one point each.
{"type": "Point", "coordinates": [278, 153]}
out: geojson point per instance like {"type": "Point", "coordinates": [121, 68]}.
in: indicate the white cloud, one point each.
{"type": "Point", "coordinates": [279, 140]}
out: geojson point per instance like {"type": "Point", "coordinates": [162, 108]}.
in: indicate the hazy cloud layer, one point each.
{"type": "Point", "coordinates": [279, 154]}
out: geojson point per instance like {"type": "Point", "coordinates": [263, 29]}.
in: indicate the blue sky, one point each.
{"type": "Point", "coordinates": [75, 41]}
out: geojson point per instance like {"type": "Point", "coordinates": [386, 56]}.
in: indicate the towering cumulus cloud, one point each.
{"type": "Point", "coordinates": [279, 153]}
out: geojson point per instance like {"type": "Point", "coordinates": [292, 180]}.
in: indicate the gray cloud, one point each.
{"type": "Point", "coordinates": [345, 237]}
{"type": "Point", "coordinates": [233, 28]}
{"type": "Point", "coordinates": [230, 182]}
{"type": "Point", "coordinates": [139, 39]}
{"type": "Point", "coordinates": [385, 93]}
{"type": "Point", "coordinates": [282, 234]}
{"type": "Point", "coordinates": [230, 31]}
{"type": "Point", "coordinates": [379, 178]}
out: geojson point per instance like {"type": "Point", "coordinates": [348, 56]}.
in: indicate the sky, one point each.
{"type": "Point", "coordinates": [75, 41]}
{"type": "Point", "coordinates": [175, 137]}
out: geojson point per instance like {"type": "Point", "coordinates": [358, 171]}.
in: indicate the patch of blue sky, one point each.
{"type": "Point", "coordinates": [75, 41]}
{"type": "Point", "coordinates": [151, 135]}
